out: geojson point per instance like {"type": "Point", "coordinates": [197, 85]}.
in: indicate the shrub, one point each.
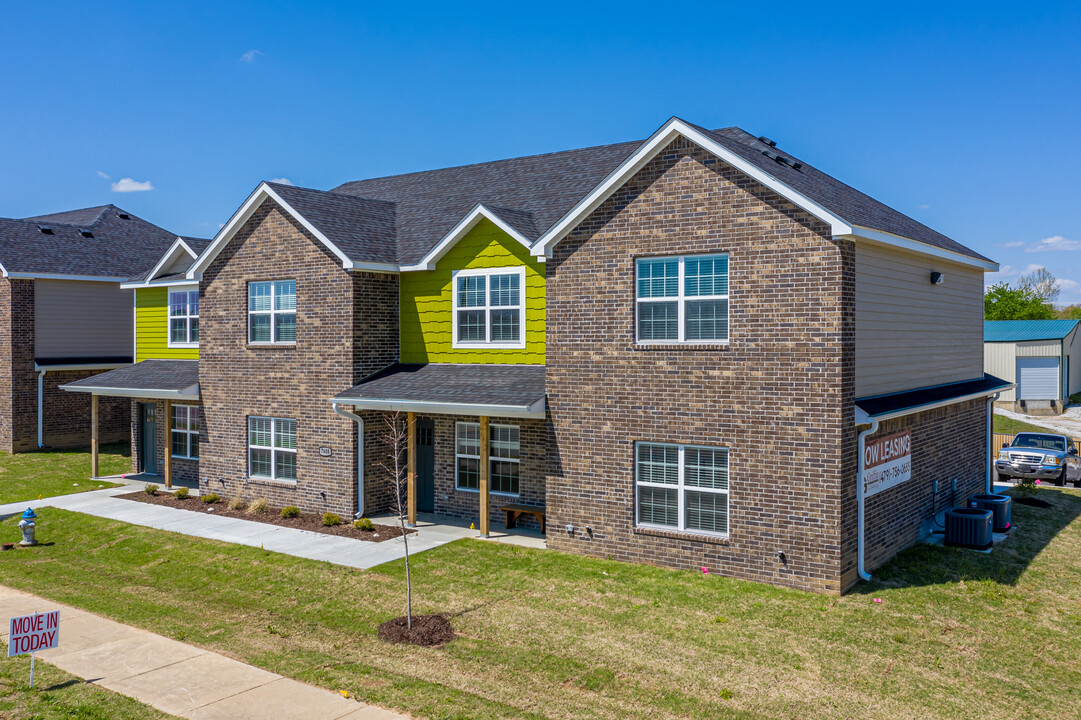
{"type": "Point", "coordinates": [331, 519]}
{"type": "Point", "coordinates": [364, 524]}
{"type": "Point", "coordinates": [1028, 487]}
{"type": "Point", "coordinates": [181, 493]}
{"type": "Point", "coordinates": [290, 512]}
{"type": "Point", "coordinates": [210, 499]}
{"type": "Point", "coordinates": [150, 489]}
{"type": "Point", "coordinates": [236, 504]}
{"type": "Point", "coordinates": [260, 505]}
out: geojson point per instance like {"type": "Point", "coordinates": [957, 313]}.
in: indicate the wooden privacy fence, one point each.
{"type": "Point", "coordinates": [1000, 439]}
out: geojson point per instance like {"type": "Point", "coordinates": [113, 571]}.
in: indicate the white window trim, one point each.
{"type": "Point", "coordinates": [187, 433]}
{"type": "Point", "coordinates": [274, 450]}
{"type": "Point", "coordinates": [272, 312]}
{"type": "Point", "coordinates": [681, 490]}
{"type": "Point", "coordinates": [681, 300]}
{"type": "Point", "coordinates": [487, 272]}
{"type": "Point", "coordinates": [169, 318]}
{"type": "Point", "coordinates": [457, 455]}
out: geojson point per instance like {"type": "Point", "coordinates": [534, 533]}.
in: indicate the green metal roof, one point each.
{"type": "Point", "coordinates": [1022, 330]}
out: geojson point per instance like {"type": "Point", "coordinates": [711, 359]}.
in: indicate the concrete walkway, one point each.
{"type": "Point", "coordinates": [177, 678]}
{"type": "Point", "coordinates": [431, 531]}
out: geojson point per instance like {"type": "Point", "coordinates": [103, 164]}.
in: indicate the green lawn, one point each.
{"type": "Point", "coordinates": [26, 476]}
{"type": "Point", "coordinates": [59, 696]}
{"type": "Point", "coordinates": [543, 634]}
{"type": "Point", "coordinates": [1010, 426]}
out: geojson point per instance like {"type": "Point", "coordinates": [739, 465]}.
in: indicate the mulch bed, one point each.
{"type": "Point", "coordinates": [428, 630]}
{"type": "Point", "coordinates": [305, 521]}
{"type": "Point", "coordinates": [1032, 502]}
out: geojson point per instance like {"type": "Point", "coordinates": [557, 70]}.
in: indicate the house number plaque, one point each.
{"type": "Point", "coordinates": [325, 452]}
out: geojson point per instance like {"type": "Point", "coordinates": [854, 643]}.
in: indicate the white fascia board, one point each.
{"type": "Point", "coordinates": [79, 366]}
{"type": "Point", "coordinates": [191, 393]}
{"type": "Point", "coordinates": [878, 237]}
{"type": "Point", "coordinates": [3, 270]}
{"type": "Point", "coordinates": [241, 216]}
{"type": "Point", "coordinates": [534, 411]}
{"type": "Point", "coordinates": [375, 267]}
{"type": "Point", "coordinates": [171, 283]}
{"type": "Point", "coordinates": [59, 276]}
{"type": "Point", "coordinates": [166, 259]}
{"type": "Point", "coordinates": [648, 150]}
{"type": "Point", "coordinates": [862, 417]}
{"type": "Point", "coordinates": [470, 221]}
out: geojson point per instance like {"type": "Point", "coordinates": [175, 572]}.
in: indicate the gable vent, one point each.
{"type": "Point", "coordinates": [122, 215]}
{"type": "Point", "coordinates": [45, 229]}
{"type": "Point", "coordinates": [86, 233]}
{"type": "Point", "coordinates": [767, 141]}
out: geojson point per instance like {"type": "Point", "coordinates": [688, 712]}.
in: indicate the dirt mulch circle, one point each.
{"type": "Point", "coordinates": [428, 630]}
{"type": "Point", "coordinates": [1033, 502]}
{"type": "Point", "coordinates": [305, 521]}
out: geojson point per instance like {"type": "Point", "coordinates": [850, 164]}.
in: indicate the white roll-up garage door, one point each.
{"type": "Point", "coordinates": [1037, 378]}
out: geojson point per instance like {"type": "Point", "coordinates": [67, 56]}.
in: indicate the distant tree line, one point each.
{"type": "Point", "coordinates": [1030, 297]}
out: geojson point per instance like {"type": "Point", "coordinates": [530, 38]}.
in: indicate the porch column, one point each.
{"type": "Point", "coordinates": [168, 443]}
{"type": "Point", "coordinates": [484, 476]}
{"type": "Point", "coordinates": [411, 466]}
{"type": "Point", "coordinates": [93, 436]}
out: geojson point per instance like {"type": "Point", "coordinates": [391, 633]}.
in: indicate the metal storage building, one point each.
{"type": "Point", "coordinates": [1042, 356]}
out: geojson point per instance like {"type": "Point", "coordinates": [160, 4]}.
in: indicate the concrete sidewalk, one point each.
{"type": "Point", "coordinates": [177, 678]}
{"type": "Point", "coordinates": [431, 532]}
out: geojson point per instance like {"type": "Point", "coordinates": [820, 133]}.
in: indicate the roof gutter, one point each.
{"type": "Point", "coordinates": [861, 491]}
{"type": "Point", "coordinates": [533, 411]}
{"type": "Point", "coordinates": [360, 454]}
{"type": "Point", "coordinates": [42, 369]}
{"type": "Point", "coordinates": [862, 417]}
{"type": "Point", "coordinates": [188, 393]}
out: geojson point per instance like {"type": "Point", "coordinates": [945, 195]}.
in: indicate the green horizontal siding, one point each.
{"type": "Point", "coordinates": [427, 332]}
{"type": "Point", "coordinates": [152, 327]}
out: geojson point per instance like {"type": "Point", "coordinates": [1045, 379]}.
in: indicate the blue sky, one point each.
{"type": "Point", "coordinates": [965, 116]}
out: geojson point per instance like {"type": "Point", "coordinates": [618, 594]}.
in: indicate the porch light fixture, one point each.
{"type": "Point", "coordinates": [936, 278]}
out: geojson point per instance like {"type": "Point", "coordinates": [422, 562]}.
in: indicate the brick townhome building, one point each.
{"type": "Point", "coordinates": [63, 316]}
{"type": "Point", "coordinates": [682, 348]}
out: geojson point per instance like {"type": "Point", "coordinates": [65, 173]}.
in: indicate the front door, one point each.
{"type": "Point", "coordinates": [148, 439]}
{"type": "Point", "coordinates": [425, 466]}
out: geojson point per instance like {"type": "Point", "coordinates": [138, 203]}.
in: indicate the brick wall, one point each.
{"type": "Point", "coordinates": [779, 395]}
{"type": "Point", "coordinates": [18, 381]}
{"type": "Point", "coordinates": [947, 443]}
{"type": "Point", "coordinates": [238, 380]}
{"type": "Point", "coordinates": [67, 414]}
{"type": "Point", "coordinates": [184, 471]}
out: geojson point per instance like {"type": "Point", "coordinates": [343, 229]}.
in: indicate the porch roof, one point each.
{"type": "Point", "coordinates": [884, 407]}
{"type": "Point", "coordinates": [155, 379]}
{"type": "Point", "coordinates": [452, 389]}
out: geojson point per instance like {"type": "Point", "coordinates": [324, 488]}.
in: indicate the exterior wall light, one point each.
{"type": "Point", "coordinates": [936, 278]}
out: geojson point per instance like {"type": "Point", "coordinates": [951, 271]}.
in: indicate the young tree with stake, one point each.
{"type": "Point", "coordinates": [396, 437]}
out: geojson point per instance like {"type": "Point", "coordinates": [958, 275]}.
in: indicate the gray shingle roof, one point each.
{"type": "Point", "coordinates": [402, 217]}
{"type": "Point", "coordinates": [119, 247]}
{"type": "Point", "coordinates": [196, 244]}
{"type": "Point", "coordinates": [151, 376]}
{"type": "Point", "coordinates": [475, 384]}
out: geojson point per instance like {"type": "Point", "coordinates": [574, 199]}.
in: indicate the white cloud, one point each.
{"type": "Point", "coordinates": [1013, 244]}
{"type": "Point", "coordinates": [1056, 242]}
{"type": "Point", "coordinates": [281, 181]}
{"type": "Point", "coordinates": [102, 175]}
{"type": "Point", "coordinates": [249, 56]}
{"type": "Point", "coordinates": [128, 185]}
{"type": "Point", "coordinates": [925, 206]}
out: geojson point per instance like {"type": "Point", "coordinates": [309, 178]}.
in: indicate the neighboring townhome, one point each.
{"type": "Point", "coordinates": [692, 351]}
{"type": "Point", "coordinates": [160, 392]}
{"type": "Point", "coordinates": [1043, 357]}
{"type": "Point", "coordinates": [63, 316]}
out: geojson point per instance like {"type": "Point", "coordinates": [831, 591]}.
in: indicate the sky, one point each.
{"type": "Point", "coordinates": [965, 116]}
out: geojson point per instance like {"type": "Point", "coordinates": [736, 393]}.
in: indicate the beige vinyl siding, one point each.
{"type": "Point", "coordinates": [1000, 360]}
{"type": "Point", "coordinates": [77, 319]}
{"type": "Point", "coordinates": [910, 333]}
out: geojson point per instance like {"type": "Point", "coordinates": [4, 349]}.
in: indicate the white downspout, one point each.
{"type": "Point", "coordinates": [41, 403]}
{"type": "Point", "coordinates": [988, 487]}
{"type": "Point", "coordinates": [360, 454]}
{"type": "Point", "coordinates": [864, 575]}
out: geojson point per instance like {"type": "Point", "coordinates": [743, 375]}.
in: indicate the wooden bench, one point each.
{"type": "Point", "coordinates": [516, 511]}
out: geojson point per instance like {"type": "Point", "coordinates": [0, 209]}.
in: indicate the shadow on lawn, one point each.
{"type": "Point", "coordinates": [1034, 529]}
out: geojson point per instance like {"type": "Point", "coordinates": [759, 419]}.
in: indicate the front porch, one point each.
{"type": "Point", "coordinates": [475, 440]}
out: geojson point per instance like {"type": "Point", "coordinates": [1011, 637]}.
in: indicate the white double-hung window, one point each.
{"type": "Point", "coordinates": [682, 299]}
{"type": "Point", "coordinates": [272, 448]}
{"type": "Point", "coordinates": [184, 431]}
{"type": "Point", "coordinates": [681, 487]}
{"type": "Point", "coordinates": [489, 308]}
{"type": "Point", "coordinates": [504, 457]}
{"type": "Point", "coordinates": [272, 312]}
{"type": "Point", "coordinates": [183, 317]}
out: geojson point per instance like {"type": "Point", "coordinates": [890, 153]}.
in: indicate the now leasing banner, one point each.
{"type": "Point", "coordinates": [32, 633]}
{"type": "Point", "coordinates": [887, 462]}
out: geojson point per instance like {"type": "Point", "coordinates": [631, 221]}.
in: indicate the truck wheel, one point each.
{"type": "Point", "coordinates": [1060, 481]}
